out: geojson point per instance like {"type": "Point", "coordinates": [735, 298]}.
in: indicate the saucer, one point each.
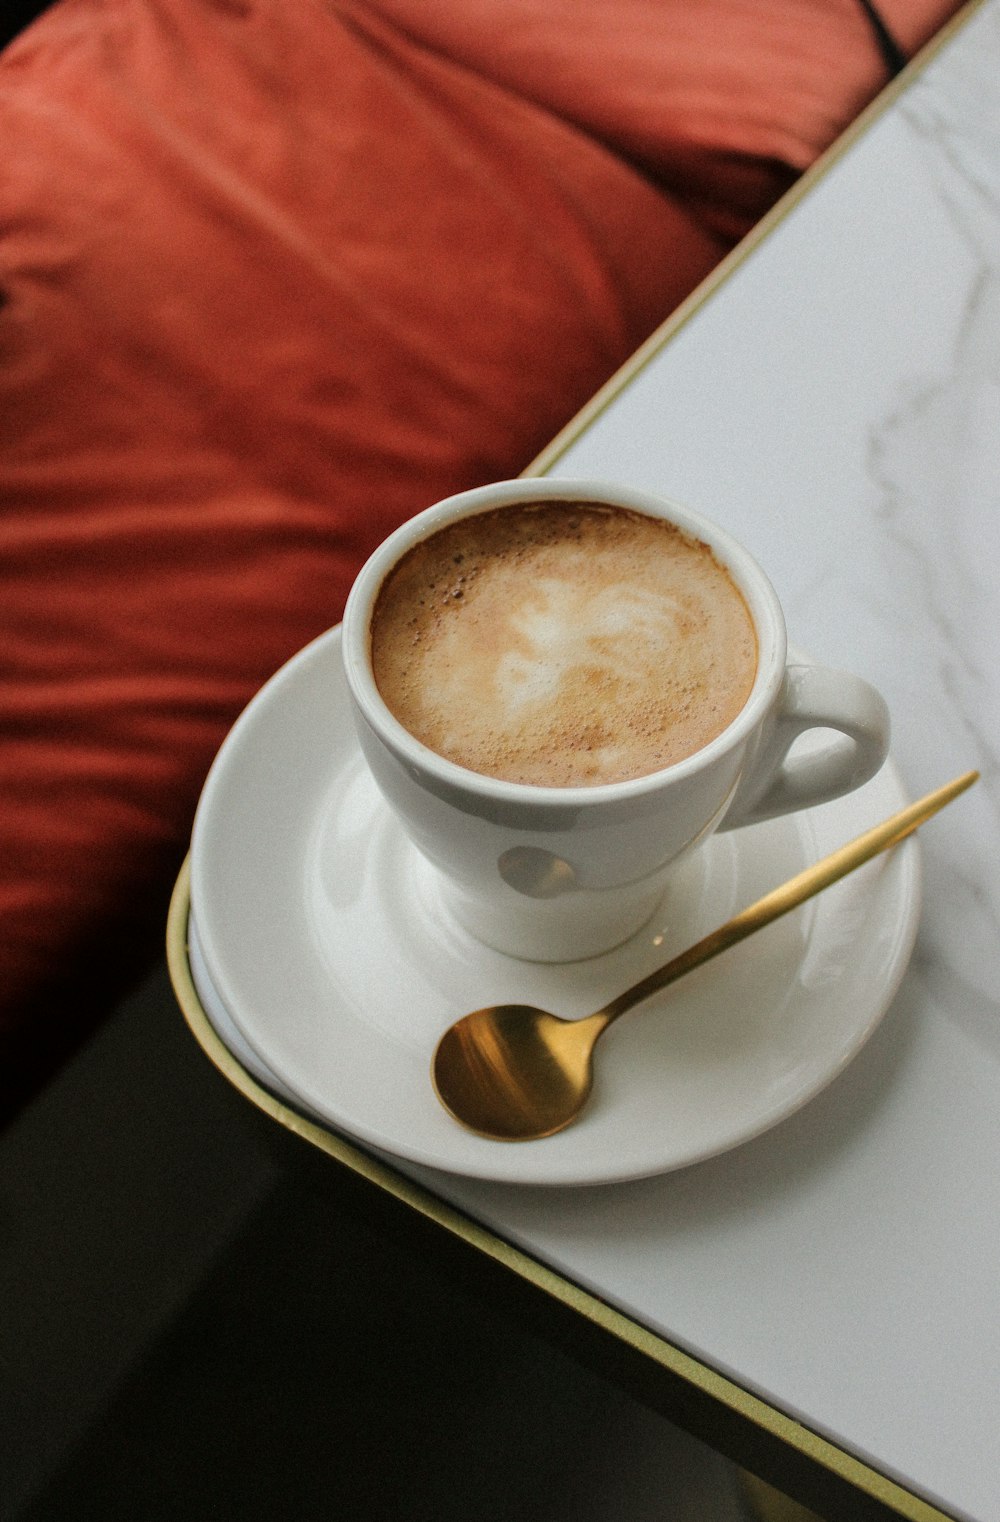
{"type": "Point", "coordinates": [329, 965]}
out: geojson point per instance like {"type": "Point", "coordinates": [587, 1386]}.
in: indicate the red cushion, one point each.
{"type": "Point", "coordinates": [276, 276]}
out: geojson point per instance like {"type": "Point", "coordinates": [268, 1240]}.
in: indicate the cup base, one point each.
{"type": "Point", "coordinates": [581, 923]}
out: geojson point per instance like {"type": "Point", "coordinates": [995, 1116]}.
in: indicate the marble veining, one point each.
{"type": "Point", "coordinates": [836, 404]}
{"type": "Point", "coordinates": [935, 462]}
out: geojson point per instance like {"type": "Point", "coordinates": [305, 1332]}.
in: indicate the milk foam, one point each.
{"type": "Point", "coordinates": [563, 644]}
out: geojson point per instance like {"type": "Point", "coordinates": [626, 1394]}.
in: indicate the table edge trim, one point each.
{"type": "Point", "coordinates": [660, 1350]}
{"type": "Point", "coordinates": [678, 319]}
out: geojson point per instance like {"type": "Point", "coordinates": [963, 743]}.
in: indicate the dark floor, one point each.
{"type": "Point", "coordinates": [192, 1329]}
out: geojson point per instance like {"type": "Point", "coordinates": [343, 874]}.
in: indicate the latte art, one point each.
{"type": "Point", "coordinates": [562, 644]}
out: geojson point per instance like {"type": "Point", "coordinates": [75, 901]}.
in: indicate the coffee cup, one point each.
{"type": "Point", "coordinates": [562, 688]}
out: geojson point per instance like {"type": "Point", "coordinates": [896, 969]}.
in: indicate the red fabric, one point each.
{"type": "Point", "coordinates": [722, 102]}
{"type": "Point", "coordinates": [274, 278]}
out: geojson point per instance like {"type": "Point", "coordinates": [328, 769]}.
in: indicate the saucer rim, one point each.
{"type": "Point", "coordinates": [906, 903]}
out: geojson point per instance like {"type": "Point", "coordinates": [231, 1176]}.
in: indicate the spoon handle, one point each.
{"type": "Point", "coordinates": [792, 893]}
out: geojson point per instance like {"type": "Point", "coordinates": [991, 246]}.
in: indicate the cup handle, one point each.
{"type": "Point", "coordinates": [813, 698]}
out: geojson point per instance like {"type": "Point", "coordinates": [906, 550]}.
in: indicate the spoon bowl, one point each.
{"type": "Point", "coordinates": [516, 1072]}
{"type": "Point", "coordinates": [512, 1072]}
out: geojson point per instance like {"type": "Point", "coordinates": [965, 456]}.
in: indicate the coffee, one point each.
{"type": "Point", "coordinates": [562, 644]}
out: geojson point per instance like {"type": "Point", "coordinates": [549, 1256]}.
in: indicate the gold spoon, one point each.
{"type": "Point", "coordinates": [514, 1073]}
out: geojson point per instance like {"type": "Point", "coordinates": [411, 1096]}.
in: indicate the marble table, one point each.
{"type": "Point", "coordinates": [832, 396]}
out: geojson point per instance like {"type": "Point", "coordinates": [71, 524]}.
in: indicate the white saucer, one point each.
{"type": "Point", "coordinates": [326, 962]}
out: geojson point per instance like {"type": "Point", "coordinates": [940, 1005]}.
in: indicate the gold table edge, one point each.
{"type": "Point", "coordinates": [727, 267]}
{"type": "Point", "coordinates": [660, 1350]}
{"type": "Point", "coordinates": [700, 1375]}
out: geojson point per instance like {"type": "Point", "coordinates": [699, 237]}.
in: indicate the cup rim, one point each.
{"type": "Point", "coordinates": [751, 579]}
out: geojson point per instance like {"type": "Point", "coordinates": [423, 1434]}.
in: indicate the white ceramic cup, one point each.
{"type": "Point", "coordinates": [559, 873]}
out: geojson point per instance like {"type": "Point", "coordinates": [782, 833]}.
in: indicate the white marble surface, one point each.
{"type": "Point", "coordinates": [836, 404]}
